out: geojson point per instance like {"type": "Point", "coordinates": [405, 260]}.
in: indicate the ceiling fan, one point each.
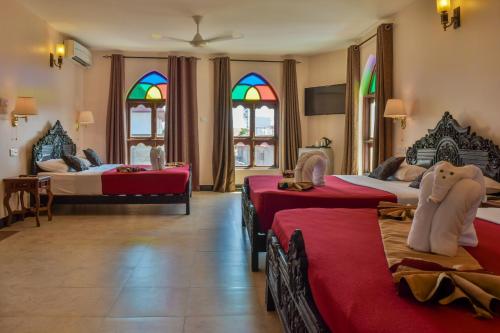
{"type": "Point", "coordinates": [198, 40]}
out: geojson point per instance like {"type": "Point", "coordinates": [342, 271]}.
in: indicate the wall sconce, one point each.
{"type": "Point", "coordinates": [60, 52]}
{"type": "Point", "coordinates": [395, 109]}
{"type": "Point", "coordinates": [25, 106]}
{"type": "Point", "coordinates": [85, 118]}
{"type": "Point", "coordinates": [443, 8]}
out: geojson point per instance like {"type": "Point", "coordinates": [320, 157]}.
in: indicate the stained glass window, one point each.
{"type": "Point", "coordinates": [253, 87]}
{"type": "Point", "coordinates": [152, 86]}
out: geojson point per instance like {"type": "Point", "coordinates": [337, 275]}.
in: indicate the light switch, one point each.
{"type": "Point", "coordinates": [13, 152]}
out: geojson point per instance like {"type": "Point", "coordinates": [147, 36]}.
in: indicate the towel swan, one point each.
{"type": "Point", "coordinates": [311, 167]}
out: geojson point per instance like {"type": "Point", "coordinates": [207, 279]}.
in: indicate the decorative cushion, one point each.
{"type": "Point", "coordinates": [75, 163]}
{"type": "Point", "coordinates": [54, 165]}
{"type": "Point", "coordinates": [387, 168]}
{"type": "Point", "coordinates": [85, 161]}
{"type": "Point", "coordinates": [408, 173]}
{"type": "Point", "coordinates": [92, 156]}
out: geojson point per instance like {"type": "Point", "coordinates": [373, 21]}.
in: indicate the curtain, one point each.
{"type": "Point", "coordinates": [384, 69]}
{"type": "Point", "coordinates": [181, 136]}
{"type": "Point", "coordinates": [351, 108]}
{"type": "Point", "coordinates": [223, 149]}
{"type": "Point", "coordinates": [115, 121]}
{"type": "Point", "coordinates": [292, 137]}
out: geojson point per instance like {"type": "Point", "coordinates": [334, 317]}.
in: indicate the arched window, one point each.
{"type": "Point", "coordinates": [367, 116]}
{"type": "Point", "coordinates": [146, 114]}
{"type": "Point", "coordinates": [255, 123]}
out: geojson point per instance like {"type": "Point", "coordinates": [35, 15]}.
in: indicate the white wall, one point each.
{"type": "Point", "coordinates": [26, 42]}
{"type": "Point", "coordinates": [456, 70]}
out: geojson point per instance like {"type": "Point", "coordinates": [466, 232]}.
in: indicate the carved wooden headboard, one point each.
{"type": "Point", "coordinates": [54, 144]}
{"type": "Point", "coordinates": [449, 141]}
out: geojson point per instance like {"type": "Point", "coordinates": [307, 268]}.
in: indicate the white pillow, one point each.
{"type": "Point", "coordinates": [85, 161]}
{"type": "Point", "coordinates": [492, 186]}
{"type": "Point", "coordinates": [408, 173]}
{"type": "Point", "coordinates": [55, 165]}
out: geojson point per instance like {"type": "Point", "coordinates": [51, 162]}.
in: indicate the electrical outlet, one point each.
{"type": "Point", "coordinates": [13, 152]}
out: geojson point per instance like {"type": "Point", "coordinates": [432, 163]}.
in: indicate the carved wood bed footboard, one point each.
{"type": "Point", "coordinates": [251, 222]}
{"type": "Point", "coordinates": [287, 286]}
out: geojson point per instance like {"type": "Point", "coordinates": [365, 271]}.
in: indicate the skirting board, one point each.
{"type": "Point", "coordinates": [210, 188]}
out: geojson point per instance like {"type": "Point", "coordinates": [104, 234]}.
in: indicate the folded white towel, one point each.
{"type": "Point", "coordinates": [157, 157]}
{"type": "Point", "coordinates": [311, 167]}
{"type": "Point", "coordinates": [448, 202]}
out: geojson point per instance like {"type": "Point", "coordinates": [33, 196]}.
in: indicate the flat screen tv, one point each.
{"type": "Point", "coordinates": [325, 100]}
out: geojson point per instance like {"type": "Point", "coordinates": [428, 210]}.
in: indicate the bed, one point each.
{"type": "Point", "coordinates": [447, 141]}
{"type": "Point", "coordinates": [319, 280]}
{"type": "Point", "coordinates": [103, 184]}
{"type": "Point", "coordinates": [297, 234]}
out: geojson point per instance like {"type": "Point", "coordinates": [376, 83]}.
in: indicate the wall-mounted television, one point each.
{"type": "Point", "coordinates": [325, 100]}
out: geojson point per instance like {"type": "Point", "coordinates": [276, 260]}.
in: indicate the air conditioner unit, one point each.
{"type": "Point", "coordinates": [78, 53]}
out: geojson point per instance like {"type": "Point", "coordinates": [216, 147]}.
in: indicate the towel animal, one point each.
{"type": "Point", "coordinates": [157, 156]}
{"type": "Point", "coordinates": [448, 201]}
{"type": "Point", "coordinates": [311, 167]}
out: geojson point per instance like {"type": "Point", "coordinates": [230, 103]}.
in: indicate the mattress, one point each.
{"type": "Point", "coordinates": [350, 281]}
{"type": "Point", "coordinates": [339, 192]}
{"type": "Point", "coordinates": [86, 182]}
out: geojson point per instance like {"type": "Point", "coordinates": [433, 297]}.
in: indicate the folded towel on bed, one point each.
{"type": "Point", "coordinates": [290, 184]}
{"type": "Point", "coordinates": [157, 157]}
{"type": "Point", "coordinates": [129, 169]}
{"type": "Point", "coordinates": [448, 202]}
{"type": "Point", "coordinates": [311, 167]}
{"type": "Point", "coordinates": [431, 277]}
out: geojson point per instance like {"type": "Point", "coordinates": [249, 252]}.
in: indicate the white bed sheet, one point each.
{"type": "Point", "coordinates": [402, 190]}
{"type": "Point", "coordinates": [489, 214]}
{"type": "Point", "coordinates": [86, 182]}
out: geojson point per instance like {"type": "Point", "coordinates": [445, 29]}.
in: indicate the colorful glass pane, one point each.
{"type": "Point", "coordinates": [252, 94]}
{"type": "Point", "coordinates": [253, 87]}
{"type": "Point", "coordinates": [373, 84]}
{"type": "Point", "coordinates": [151, 86]}
{"type": "Point", "coordinates": [153, 93]}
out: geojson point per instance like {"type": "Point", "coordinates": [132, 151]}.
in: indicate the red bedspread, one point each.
{"type": "Point", "coordinates": [350, 281]}
{"type": "Point", "coordinates": [337, 193]}
{"type": "Point", "coordinates": [166, 181]}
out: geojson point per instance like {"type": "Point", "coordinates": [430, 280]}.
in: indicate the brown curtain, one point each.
{"type": "Point", "coordinates": [351, 104]}
{"type": "Point", "coordinates": [384, 70]}
{"type": "Point", "coordinates": [115, 122]}
{"type": "Point", "coordinates": [292, 137]}
{"type": "Point", "coordinates": [182, 115]}
{"type": "Point", "coordinates": [223, 149]}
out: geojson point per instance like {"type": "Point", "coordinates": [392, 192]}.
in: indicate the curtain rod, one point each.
{"type": "Point", "coordinates": [367, 40]}
{"type": "Point", "coordinates": [137, 57]}
{"type": "Point", "coordinates": [256, 60]}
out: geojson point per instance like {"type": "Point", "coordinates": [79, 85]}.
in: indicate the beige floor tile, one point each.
{"type": "Point", "coordinates": [150, 302]}
{"type": "Point", "coordinates": [144, 325]}
{"type": "Point", "coordinates": [223, 301]}
{"type": "Point", "coordinates": [230, 324]}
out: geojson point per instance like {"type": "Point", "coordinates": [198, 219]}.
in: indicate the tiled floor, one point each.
{"type": "Point", "coordinates": [133, 269]}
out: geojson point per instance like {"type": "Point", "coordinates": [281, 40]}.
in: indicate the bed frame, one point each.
{"type": "Point", "coordinates": [288, 291]}
{"type": "Point", "coordinates": [56, 143]}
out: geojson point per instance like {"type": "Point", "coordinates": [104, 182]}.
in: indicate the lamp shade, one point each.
{"type": "Point", "coordinates": [443, 6]}
{"type": "Point", "coordinates": [395, 109]}
{"type": "Point", "coordinates": [86, 117]}
{"type": "Point", "coordinates": [25, 106]}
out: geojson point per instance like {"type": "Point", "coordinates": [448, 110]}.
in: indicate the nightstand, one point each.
{"type": "Point", "coordinates": [30, 184]}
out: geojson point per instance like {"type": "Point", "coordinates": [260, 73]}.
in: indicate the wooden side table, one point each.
{"type": "Point", "coordinates": [29, 184]}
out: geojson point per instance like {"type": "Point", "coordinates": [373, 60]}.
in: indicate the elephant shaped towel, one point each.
{"type": "Point", "coordinates": [311, 167]}
{"type": "Point", "coordinates": [157, 156]}
{"type": "Point", "coordinates": [448, 201]}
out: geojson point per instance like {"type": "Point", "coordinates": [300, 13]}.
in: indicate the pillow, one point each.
{"type": "Point", "coordinates": [92, 156]}
{"type": "Point", "coordinates": [387, 168]}
{"type": "Point", "coordinates": [74, 163]}
{"type": "Point", "coordinates": [492, 186]}
{"type": "Point", "coordinates": [85, 161]}
{"type": "Point", "coordinates": [408, 173]}
{"type": "Point", "coordinates": [54, 165]}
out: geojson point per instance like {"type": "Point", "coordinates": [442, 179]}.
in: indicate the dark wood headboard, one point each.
{"type": "Point", "coordinates": [449, 141]}
{"type": "Point", "coordinates": [54, 144]}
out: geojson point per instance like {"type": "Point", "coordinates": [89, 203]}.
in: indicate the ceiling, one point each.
{"type": "Point", "coordinates": [270, 27]}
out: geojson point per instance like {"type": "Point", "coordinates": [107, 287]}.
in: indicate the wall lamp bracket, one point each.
{"type": "Point", "coordinates": [454, 22]}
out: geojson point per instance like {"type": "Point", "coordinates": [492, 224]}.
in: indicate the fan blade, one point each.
{"type": "Point", "coordinates": [178, 39]}
{"type": "Point", "coordinates": [222, 38]}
